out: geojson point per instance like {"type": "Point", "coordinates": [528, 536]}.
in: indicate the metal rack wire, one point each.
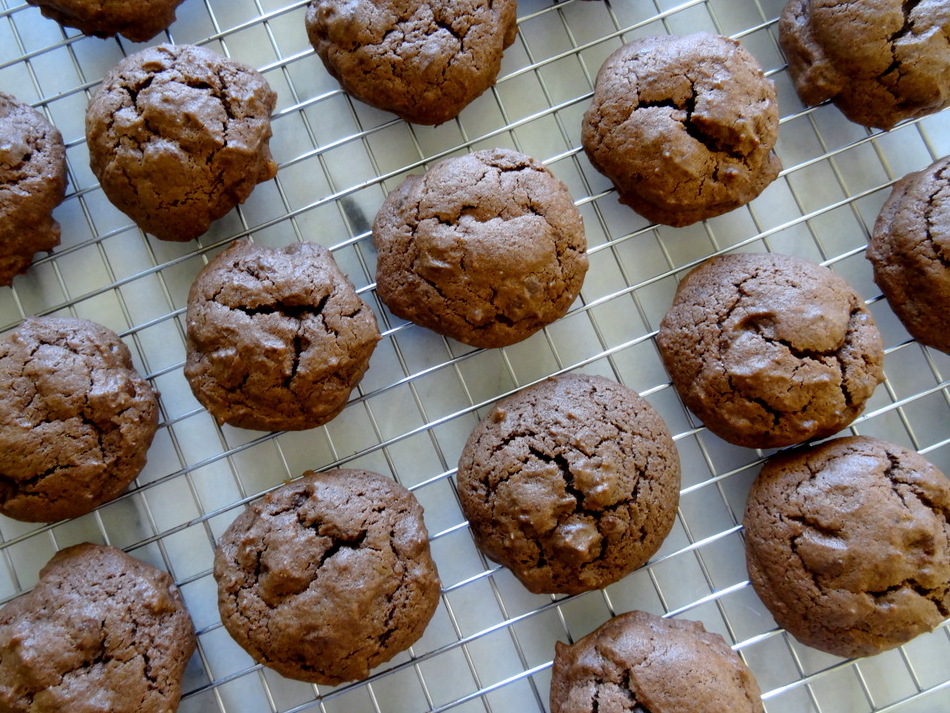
{"type": "Point", "coordinates": [490, 644]}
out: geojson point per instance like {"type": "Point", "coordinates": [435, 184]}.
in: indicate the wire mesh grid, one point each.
{"type": "Point", "coordinates": [490, 644]}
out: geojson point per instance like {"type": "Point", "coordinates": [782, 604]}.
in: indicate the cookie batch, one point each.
{"type": "Point", "coordinates": [570, 483]}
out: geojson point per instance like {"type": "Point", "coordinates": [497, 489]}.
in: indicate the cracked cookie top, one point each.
{"type": "Point", "coordinates": [422, 60]}
{"type": "Point", "coordinates": [32, 184]}
{"type": "Point", "coordinates": [770, 350]}
{"type": "Point", "coordinates": [910, 252]}
{"type": "Point", "coordinates": [76, 419]}
{"type": "Point", "coordinates": [571, 483]}
{"type": "Point", "coordinates": [486, 248]}
{"type": "Point", "coordinates": [101, 631]}
{"type": "Point", "coordinates": [138, 20]}
{"type": "Point", "coordinates": [879, 61]}
{"type": "Point", "coordinates": [641, 663]}
{"type": "Point", "coordinates": [683, 126]}
{"type": "Point", "coordinates": [848, 544]}
{"type": "Point", "coordinates": [178, 136]}
{"type": "Point", "coordinates": [328, 576]}
{"type": "Point", "coordinates": [276, 339]}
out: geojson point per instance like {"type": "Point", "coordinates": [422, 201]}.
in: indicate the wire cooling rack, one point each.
{"type": "Point", "coordinates": [490, 644]}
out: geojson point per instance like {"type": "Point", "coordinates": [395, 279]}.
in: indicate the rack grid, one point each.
{"type": "Point", "coordinates": [490, 644]}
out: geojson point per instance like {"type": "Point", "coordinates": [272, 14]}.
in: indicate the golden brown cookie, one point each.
{"type": "Point", "coordinates": [138, 20]}
{"type": "Point", "coordinates": [178, 136]}
{"type": "Point", "coordinates": [683, 126]}
{"type": "Point", "coordinates": [910, 252]}
{"type": "Point", "coordinates": [571, 483]}
{"type": "Point", "coordinates": [879, 61]}
{"type": "Point", "coordinates": [422, 60]}
{"type": "Point", "coordinates": [101, 631]}
{"type": "Point", "coordinates": [640, 663]}
{"type": "Point", "coordinates": [32, 184]}
{"type": "Point", "coordinates": [327, 576]}
{"type": "Point", "coordinates": [486, 248]}
{"type": "Point", "coordinates": [276, 339]}
{"type": "Point", "coordinates": [76, 419]}
{"type": "Point", "coordinates": [769, 350]}
{"type": "Point", "coordinates": [848, 544]}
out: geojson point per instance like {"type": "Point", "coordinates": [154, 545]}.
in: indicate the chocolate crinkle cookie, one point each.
{"type": "Point", "coordinates": [101, 631]}
{"type": "Point", "coordinates": [486, 248]}
{"type": "Point", "coordinates": [328, 576]}
{"type": "Point", "coordinates": [178, 136]}
{"type": "Point", "coordinates": [276, 338]}
{"type": "Point", "coordinates": [848, 544]}
{"type": "Point", "coordinates": [571, 483]}
{"type": "Point", "coordinates": [32, 184]}
{"type": "Point", "coordinates": [770, 350]}
{"type": "Point", "coordinates": [641, 663]}
{"type": "Point", "coordinates": [683, 126]}
{"type": "Point", "coordinates": [137, 20]}
{"type": "Point", "coordinates": [910, 252]}
{"type": "Point", "coordinates": [879, 61]}
{"type": "Point", "coordinates": [420, 59]}
{"type": "Point", "coordinates": [76, 419]}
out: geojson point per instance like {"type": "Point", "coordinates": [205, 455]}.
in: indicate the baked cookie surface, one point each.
{"type": "Point", "coordinates": [101, 631]}
{"type": "Point", "coordinates": [32, 184]}
{"type": "Point", "coordinates": [422, 60]}
{"type": "Point", "coordinates": [137, 20]}
{"type": "Point", "coordinates": [640, 662]}
{"type": "Point", "coordinates": [910, 252]}
{"type": "Point", "coordinates": [879, 61]}
{"type": "Point", "coordinates": [848, 544]}
{"type": "Point", "coordinates": [683, 126]}
{"type": "Point", "coordinates": [76, 419]}
{"type": "Point", "coordinates": [178, 136]}
{"type": "Point", "coordinates": [486, 248]}
{"type": "Point", "coordinates": [571, 483]}
{"type": "Point", "coordinates": [276, 338]}
{"type": "Point", "coordinates": [770, 350]}
{"type": "Point", "coordinates": [327, 576]}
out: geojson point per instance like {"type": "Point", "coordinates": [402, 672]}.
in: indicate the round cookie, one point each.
{"type": "Point", "coordinates": [848, 544]}
{"type": "Point", "coordinates": [910, 252]}
{"type": "Point", "coordinates": [770, 350]}
{"type": "Point", "coordinates": [178, 136]}
{"type": "Point", "coordinates": [879, 61]}
{"type": "Point", "coordinates": [683, 126]}
{"type": "Point", "coordinates": [138, 20]}
{"type": "Point", "coordinates": [32, 184]}
{"type": "Point", "coordinates": [424, 61]}
{"type": "Point", "coordinates": [571, 483]}
{"type": "Point", "coordinates": [76, 419]}
{"type": "Point", "coordinates": [486, 248]}
{"type": "Point", "coordinates": [327, 576]}
{"type": "Point", "coordinates": [640, 662]}
{"type": "Point", "coordinates": [276, 339]}
{"type": "Point", "coordinates": [101, 631]}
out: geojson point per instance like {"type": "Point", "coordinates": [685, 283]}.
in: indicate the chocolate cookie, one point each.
{"type": "Point", "coordinates": [76, 419]}
{"type": "Point", "coordinates": [32, 184]}
{"type": "Point", "coordinates": [571, 483]}
{"type": "Point", "coordinates": [138, 20]}
{"type": "Point", "coordinates": [328, 576]}
{"type": "Point", "coordinates": [848, 544]}
{"type": "Point", "coordinates": [486, 248]}
{"type": "Point", "coordinates": [101, 631]}
{"type": "Point", "coordinates": [640, 662]}
{"type": "Point", "coordinates": [422, 60]}
{"type": "Point", "coordinates": [879, 61]}
{"type": "Point", "coordinates": [683, 126]}
{"type": "Point", "coordinates": [178, 136]}
{"type": "Point", "coordinates": [910, 252]}
{"type": "Point", "coordinates": [276, 339]}
{"type": "Point", "coordinates": [770, 350]}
